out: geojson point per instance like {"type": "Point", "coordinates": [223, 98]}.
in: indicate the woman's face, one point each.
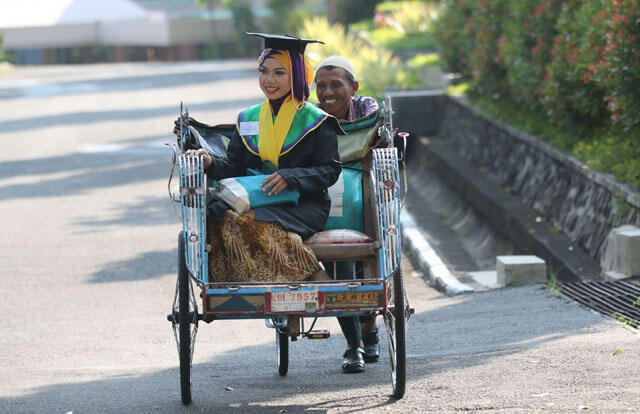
{"type": "Point", "coordinates": [274, 79]}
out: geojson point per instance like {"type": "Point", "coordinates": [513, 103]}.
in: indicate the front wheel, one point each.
{"type": "Point", "coordinates": [396, 324]}
{"type": "Point", "coordinates": [187, 322]}
{"type": "Point", "coordinates": [282, 343]}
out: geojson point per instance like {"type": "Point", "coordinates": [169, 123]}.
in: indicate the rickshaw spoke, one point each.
{"type": "Point", "coordinates": [194, 321]}
{"type": "Point", "coordinates": [395, 322]}
{"type": "Point", "coordinates": [174, 311]}
{"type": "Point", "coordinates": [390, 325]}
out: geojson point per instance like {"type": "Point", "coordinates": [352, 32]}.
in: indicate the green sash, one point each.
{"type": "Point", "coordinates": [306, 120]}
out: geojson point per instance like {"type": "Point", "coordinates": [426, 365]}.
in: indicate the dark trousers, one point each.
{"type": "Point", "coordinates": [350, 325]}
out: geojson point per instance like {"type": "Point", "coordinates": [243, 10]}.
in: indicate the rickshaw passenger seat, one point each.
{"type": "Point", "coordinates": [342, 244]}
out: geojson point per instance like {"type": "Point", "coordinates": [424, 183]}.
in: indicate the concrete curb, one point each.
{"type": "Point", "coordinates": [433, 268]}
{"type": "Point", "coordinates": [508, 215]}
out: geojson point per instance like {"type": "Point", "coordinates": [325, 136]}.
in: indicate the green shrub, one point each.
{"type": "Point", "coordinates": [376, 68]}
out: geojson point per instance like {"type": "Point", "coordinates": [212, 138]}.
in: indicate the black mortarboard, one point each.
{"type": "Point", "coordinates": [284, 42]}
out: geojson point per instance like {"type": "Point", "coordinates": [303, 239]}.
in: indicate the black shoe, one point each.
{"type": "Point", "coordinates": [353, 360]}
{"type": "Point", "coordinates": [371, 346]}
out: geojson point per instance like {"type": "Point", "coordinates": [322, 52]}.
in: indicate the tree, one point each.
{"type": "Point", "coordinates": [351, 11]}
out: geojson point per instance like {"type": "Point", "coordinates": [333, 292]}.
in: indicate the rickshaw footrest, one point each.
{"type": "Point", "coordinates": [317, 334]}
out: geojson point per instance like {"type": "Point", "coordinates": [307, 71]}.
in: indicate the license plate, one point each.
{"type": "Point", "coordinates": [295, 301]}
{"type": "Point", "coordinates": [352, 299]}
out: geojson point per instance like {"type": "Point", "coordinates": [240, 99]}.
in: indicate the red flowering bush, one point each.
{"type": "Point", "coordinates": [527, 42]}
{"type": "Point", "coordinates": [579, 59]}
{"type": "Point", "coordinates": [486, 59]}
{"type": "Point", "coordinates": [455, 32]}
{"type": "Point", "coordinates": [567, 97]}
{"type": "Point", "coordinates": [467, 35]}
{"type": "Point", "coordinates": [617, 68]}
{"type": "Point", "coordinates": [576, 63]}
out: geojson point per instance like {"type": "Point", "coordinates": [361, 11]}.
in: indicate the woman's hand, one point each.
{"type": "Point", "coordinates": [274, 182]}
{"type": "Point", "coordinates": [206, 158]}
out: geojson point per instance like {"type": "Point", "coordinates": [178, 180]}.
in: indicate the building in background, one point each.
{"type": "Point", "coordinates": [87, 31]}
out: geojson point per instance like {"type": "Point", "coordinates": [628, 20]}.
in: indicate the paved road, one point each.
{"type": "Point", "coordinates": [88, 258]}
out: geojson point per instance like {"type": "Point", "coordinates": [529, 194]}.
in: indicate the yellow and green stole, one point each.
{"type": "Point", "coordinates": [270, 137]}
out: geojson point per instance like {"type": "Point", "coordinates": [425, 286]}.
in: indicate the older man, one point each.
{"type": "Point", "coordinates": [336, 88]}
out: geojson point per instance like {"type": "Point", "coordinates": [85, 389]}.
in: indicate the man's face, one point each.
{"type": "Point", "coordinates": [334, 92]}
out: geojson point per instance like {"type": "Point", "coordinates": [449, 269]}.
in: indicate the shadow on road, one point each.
{"type": "Point", "coordinates": [88, 117]}
{"type": "Point", "coordinates": [473, 331]}
{"type": "Point", "coordinates": [148, 211]}
{"type": "Point", "coordinates": [111, 174]}
{"type": "Point", "coordinates": [148, 265]}
{"type": "Point", "coordinates": [124, 83]}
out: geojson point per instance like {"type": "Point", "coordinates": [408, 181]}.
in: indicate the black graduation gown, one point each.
{"type": "Point", "coordinates": [311, 166]}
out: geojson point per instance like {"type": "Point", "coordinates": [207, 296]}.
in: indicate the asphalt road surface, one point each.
{"type": "Point", "coordinates": [88, 261]}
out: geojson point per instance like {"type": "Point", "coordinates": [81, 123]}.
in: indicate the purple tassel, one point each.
{"type": "Point", "coordinates": [300, 87]}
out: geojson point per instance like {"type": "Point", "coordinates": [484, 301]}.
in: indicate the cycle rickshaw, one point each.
{"type": "Point", "coordinates": [378, 289]}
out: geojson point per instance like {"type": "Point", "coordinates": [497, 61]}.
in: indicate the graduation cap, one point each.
{"type": "Point", "coordinates": [284, 42]}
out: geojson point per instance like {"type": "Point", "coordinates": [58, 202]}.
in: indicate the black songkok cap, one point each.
{"type": "Point", "coordinates": [284, 42]}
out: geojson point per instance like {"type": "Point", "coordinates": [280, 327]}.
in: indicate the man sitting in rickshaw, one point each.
{"type": "Point", "coordinates": [336, 88]}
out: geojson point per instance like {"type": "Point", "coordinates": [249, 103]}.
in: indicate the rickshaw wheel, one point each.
{"type": "Point", "coordinates": [184, 324]}
{"type": "Point", "coordinates": [396, 324]}
{"type": "Point", "coordinates": [282, 343]}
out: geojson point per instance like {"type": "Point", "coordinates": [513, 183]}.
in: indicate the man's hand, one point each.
{"type": "Point", "coordinates": [274, 182]}
{"type": "Point", "coordinates": [176, 127]}
{"type": "Point", "coordinates": [206, 158]}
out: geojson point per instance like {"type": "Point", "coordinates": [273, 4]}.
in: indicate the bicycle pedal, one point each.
{"type": "Point", "coordinates": [319, 334]}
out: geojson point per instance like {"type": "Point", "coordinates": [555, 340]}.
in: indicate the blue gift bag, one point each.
{"type": "Point", "coordinates": [245, 193]}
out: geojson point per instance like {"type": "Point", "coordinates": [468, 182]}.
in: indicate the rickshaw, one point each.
{"type": "Point", "coordinates": [368, 153]}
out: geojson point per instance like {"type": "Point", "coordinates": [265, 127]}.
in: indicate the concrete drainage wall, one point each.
{"type": "Point", "coordinates": [585, 205]}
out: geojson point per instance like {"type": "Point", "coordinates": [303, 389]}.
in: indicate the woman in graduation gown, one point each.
{"type": "Point", "coordinates": [295, 143]}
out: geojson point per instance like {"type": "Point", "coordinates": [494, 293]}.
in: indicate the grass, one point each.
{"type": "Point", "coordinates": [457, 89]}
{"type": "Point", "coordinates": [391, 39]}
{"type": "Point", "coordinates": [634, 323]}
{"type": "Point", "coordinates": [425, 60]}
{"type": "Point", "coordinates": [552, 285]}
{"type": "Point", "coordinates": [362, 26]}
